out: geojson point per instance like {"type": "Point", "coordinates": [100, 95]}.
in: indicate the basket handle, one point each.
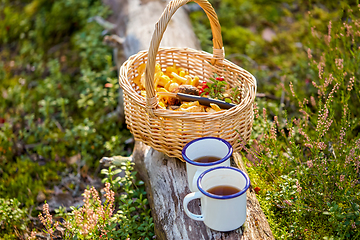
{"type": "Point", "coordinates": [160, 27]}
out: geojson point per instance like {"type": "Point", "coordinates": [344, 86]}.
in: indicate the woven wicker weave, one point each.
{"type": "Point", "coordinates": [168, 131]}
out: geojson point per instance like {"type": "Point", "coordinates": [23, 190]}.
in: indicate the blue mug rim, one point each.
{"type": "Point", "coordinates": [188, 160]}
{"type": "Point", "coordinates": [247, 184]}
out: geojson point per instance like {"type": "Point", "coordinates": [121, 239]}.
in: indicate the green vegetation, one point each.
{"type": "Point", "coordinates": [12, 218]}
{"type": "Point", "coordinates": [304, 154]}
{"type": "Point", "coordinates": [97, 220]}
{"type": "Point", "coordinates": [58, 87]}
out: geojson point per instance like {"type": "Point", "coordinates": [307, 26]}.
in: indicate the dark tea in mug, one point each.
{"type": "Point", "coordinates": [207, 159]}
{"type": "Point", "coordinates": [223, 190]}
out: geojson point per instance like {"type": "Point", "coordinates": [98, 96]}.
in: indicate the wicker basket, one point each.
{"type": "Point", "coordinates": [168, 131]}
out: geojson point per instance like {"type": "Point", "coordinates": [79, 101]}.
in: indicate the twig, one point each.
{"type": "Point", "coordinates": [102, 22]}
{"type": "Point", "coordinates": [115, 160]}
{"type": "Point", "coordinates": [33, 145]}
{"type": "Point", "coordinates": [282, 99]}
{"type": "Point", "coordinates": [114, 40]}
{"type": "Point", "coordinates": [43, 237]}
{"type": "Point", "coordinates": [264, 95]}
{"type": "Point", "coordinates": [58, 125]}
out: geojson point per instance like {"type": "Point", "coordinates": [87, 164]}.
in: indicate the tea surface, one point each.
{"type": "Point", "coordinates": [207, 159]}
{"type": "Point", "coordinates": [223, 190]}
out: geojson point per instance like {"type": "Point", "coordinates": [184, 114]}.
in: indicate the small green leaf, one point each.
{"type": "Point", "coordinates": [117, 171]}
{"type": "Point", "coordinates": [116, 180]}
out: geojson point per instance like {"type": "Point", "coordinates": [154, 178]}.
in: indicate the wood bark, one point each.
{"type": "Point", "coordinates": [164, 177]}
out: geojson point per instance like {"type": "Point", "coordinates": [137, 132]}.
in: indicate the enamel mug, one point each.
{"type": "Point", "coordinates": [201, 147]}
{"type": "Point", "coordinates": [220, 212]}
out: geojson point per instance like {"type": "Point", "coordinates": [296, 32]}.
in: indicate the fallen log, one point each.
{"type": "Point", "coordinates": [135, 21]}
{"type": "Point", "coordinates": [164, 177]}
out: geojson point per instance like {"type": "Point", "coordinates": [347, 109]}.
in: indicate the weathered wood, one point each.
{"type": "Point", "coordinates": [135, 22]}
{"type": "Point", "coordinates": [164, 177]}
{"type": "Point", "coordinates": [166, 185]}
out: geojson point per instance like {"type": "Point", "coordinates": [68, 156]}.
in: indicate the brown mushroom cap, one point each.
{"type": "Point", "coordinates": [188, 89]}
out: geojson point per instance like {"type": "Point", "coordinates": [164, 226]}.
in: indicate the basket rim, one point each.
{"type": "Point", "coordinates": [141, 101]}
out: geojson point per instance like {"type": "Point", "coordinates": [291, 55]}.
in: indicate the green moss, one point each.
{"type": "Point", "coordinates": [24, 179]}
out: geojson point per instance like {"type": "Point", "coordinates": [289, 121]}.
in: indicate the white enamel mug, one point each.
{"type": "Point", "coordinates": [201, 147]}
{"type": "Point", "coordinates": [220, 212]}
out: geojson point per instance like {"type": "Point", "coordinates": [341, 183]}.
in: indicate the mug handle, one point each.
{"type": "Point", "coordinates": [187, 199]}
{"type": "Point", "coordinates": [196, 176]}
